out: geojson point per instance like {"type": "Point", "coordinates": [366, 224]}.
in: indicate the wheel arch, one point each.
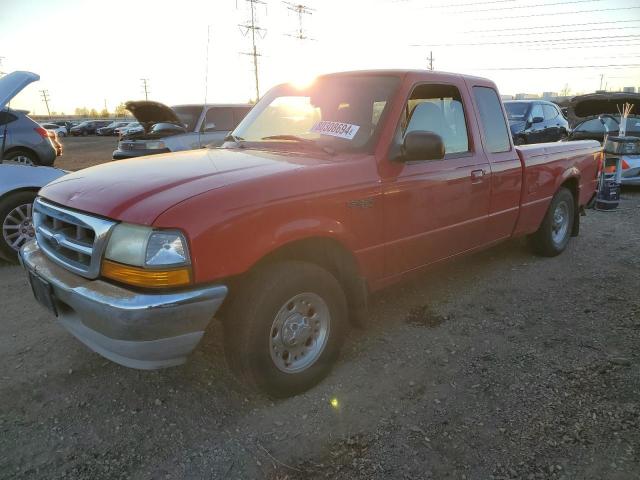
{"type": "Point", "coordinates": [572, 183]}
{"type": "Point", "coordinates": [328, 253]}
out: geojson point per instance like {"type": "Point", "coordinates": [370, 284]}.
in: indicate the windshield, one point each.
{"type": "Point", "coordinates": [337, 112]}
{"type": "Point", "coordinates": [516, 110]}
{"type": "Point", "coordinates": [188, 115]}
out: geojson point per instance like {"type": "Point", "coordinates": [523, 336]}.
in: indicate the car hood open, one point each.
{"type": "Point", "coordinates": [594, 104]}
{"type": "Point", "coordinates": [147, 112]}
{"type": "Point", "coordinates": [14, 83]}
{"type": "Point", "coordinates": [139, 190]}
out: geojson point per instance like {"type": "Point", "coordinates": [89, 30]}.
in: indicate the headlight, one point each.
{"type": "Point", "coordinates": [148, 258]}
{"type": "Point", "coordinates": [154, 145]}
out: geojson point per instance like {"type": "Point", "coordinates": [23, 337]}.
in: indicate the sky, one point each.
{"type": "Point", "coordinates": [88, 52]}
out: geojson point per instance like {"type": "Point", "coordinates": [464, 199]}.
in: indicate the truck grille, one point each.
{"type": "Point", "coordinates": [73, 240]}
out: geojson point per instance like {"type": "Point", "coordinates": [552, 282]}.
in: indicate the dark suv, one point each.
{"type": "Point", "coordinates": [535, 121]}
{"type": "Point", "coordinates": [89, 127]}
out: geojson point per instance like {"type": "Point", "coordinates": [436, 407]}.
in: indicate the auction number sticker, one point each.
{"type": "Point", "coordinates": [336, 129]}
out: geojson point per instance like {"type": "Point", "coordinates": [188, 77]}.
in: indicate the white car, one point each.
{"type": "Point", "coordinates": [61, 131]}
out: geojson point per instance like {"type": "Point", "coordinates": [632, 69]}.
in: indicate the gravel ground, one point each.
{"type": "Point", "coordinates": [497, 365]}
{"type": "Point", "coordinates": [83, 152]}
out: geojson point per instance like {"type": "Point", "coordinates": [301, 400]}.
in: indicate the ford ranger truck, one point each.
{"type": "Point", "coordinates": [322, 195]}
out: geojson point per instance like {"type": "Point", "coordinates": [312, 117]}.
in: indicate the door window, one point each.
{"type": "Point", "coordinates": [219, 119]}
{"type": "Point", "coordinates": [494, 126]}
{"type": "Point", "coordinates": [536, 111]}
{"type": "Point", "coordinates": [550, 112]}
{"type": "Point", "coordinates": [438, 109]}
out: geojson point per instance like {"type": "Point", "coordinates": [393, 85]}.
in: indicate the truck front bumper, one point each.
{"type": "Point", "coordinates": [137, 330]}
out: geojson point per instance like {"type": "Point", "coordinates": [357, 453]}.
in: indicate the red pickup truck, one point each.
{"type": "Point", "coordinates": [322, 195]}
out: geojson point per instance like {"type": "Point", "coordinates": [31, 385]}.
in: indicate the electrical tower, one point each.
{"type": "Point", "coordinates": [45, 99]}
{"type": "Point", "coordinates": [252, 26]}
{"type": "Point", "coordinates": [300, 10]}
{"type": "Point", "coordinates": [145, 86]}
{"type": "Point", "coordinates": [431, 60]}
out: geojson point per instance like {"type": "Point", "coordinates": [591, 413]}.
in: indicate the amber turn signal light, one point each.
{"type": "Point", "coordinates": [144, 277]}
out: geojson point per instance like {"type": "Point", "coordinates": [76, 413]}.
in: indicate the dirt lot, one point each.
{"type": "Point", "coordinates": [83, 152]}
{"type": "Point", "coordinates": [498, 365]}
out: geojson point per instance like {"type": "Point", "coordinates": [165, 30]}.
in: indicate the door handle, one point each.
{"type": "Point", "coordinates": [477, 175]}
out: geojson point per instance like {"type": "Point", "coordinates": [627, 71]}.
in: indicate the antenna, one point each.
{"type": "Point", "coordinates": [45, 99]}
{"type": "Point", "coordinates": [300, 10]}
{"type": "Point", "coordinates": [145, 86]}
{"type": "Point", "coordinates": [251, 26]}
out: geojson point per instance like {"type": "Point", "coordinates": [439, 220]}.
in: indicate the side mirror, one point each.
{"type": "Point", "coordinates": [422, 145]}
{"type": "Point", "coordinates": [537, 120]}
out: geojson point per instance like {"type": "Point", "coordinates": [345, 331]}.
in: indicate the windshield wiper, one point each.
{"type": "Point", "coordinates": [306, 141]}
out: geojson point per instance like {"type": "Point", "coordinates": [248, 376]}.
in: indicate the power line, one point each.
{"type": "Point", "coordinates": [300, 10]}
{"type": "Point", "coordinates": [526, 6]}
{"type": "Point", "coordinates": [595, 46]}
{"type": "Point", "coordinates": [251, 26]}
{"type": "Point", "coordinates": [512, 42]}
{"type": "Point", "coordinates": [550, 26]}
{"type": "Point", "coordinates": [462, 4]}
{"type": "Point", "coordinates": [564, 13]}
{"type": "Point", "coordinates": [145, 86]}
{"type": "Point", "coordinates": [565, 67]}
{"type": "Point", "coordinates": [566, 31]}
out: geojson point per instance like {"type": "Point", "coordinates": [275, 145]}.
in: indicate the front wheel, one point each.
{"type": "Point", "coordinates": [16, 222]}
{"type": "Point", "coordinates": [285, 327]}
{"type": "Point", "coordinates": [555, 231]}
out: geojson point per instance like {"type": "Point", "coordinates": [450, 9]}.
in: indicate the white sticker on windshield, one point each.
{"type": "Point", "coordinates": [336, 129]}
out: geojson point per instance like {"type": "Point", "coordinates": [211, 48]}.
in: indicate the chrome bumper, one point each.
{"type": "Point", "coordinates": [137, 330]}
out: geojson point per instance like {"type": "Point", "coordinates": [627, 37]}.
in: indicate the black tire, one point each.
{"type": "Point", "coordinates": [519, 141]}
{"type": "Point", "coordinates": [249, 326]}
{"type": "Point", "coordinates": [7, 205]}
{"type": "Point", "coordinates": [549, 240]}
{"type": "Point", "coordinates": [22, 156]}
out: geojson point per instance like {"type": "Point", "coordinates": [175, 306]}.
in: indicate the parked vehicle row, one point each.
{"type": "Point", "coordinates": [162, 129]}
{"type": "Point", "coordinates": [285, 230]}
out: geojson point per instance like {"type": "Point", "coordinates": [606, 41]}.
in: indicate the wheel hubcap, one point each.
{"type": "Point", "coordinates": [17, 227]}
{"type": "Point", "coordinates": [22, 160]}
{"type": "Point", "coordinates": [560, 225]}
{"type": "Point", "coordinates": [299, 332]}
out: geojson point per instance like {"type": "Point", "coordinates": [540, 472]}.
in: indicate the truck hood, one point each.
{"type": "Point", "coordinates": [14, 83]}
{"type": "Point", "coordinates": [594, 104]}
{"type": "Point", "coordinates": [140, 189]}
{"type": "Point", "coordinates": [147, 112]}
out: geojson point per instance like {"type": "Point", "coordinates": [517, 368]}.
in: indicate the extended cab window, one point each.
{"type": "Point", "coordinates": [219, 119]}
{"type": "Point", "coordinates": [438, 109]}
{"type": "Point", "coordinates": [494, 126]}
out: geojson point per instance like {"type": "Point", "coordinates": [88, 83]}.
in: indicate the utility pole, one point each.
{"type": "Point", "coordinates": [601, 79]}
{"type": "Point", "coordinates": [431, 59]}
{"type": "Point", "coordinates": [46, 98]}
{"type": "Point", "coordinates": [300, 10]}
{"type": "Point", "coordinates": [145, 86]}
{"type": "Point", "coordinates": [1, 72]}
{"type": "Point", "coordinates": [251, 26]}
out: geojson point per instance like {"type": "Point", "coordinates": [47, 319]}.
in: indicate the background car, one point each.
{"type": "Point", "coordinates": [89, 127]}
{"type": "Point", "coordinates": [59, 130]}
{"type": "Point", "coordinates": [592, 128]}
{"type": "Point", "coordinates": [25, 141]}
{"type": "Point", "coordinates": [173, 129]}
{"type": "Point", "coordinates": [64, 123]}
{"type": "Point", "coordinates": [19, 184]}
{"type": "Point", "coordinates": [536, 121]}
{"type": "Point", "coordinates": [110, 129]}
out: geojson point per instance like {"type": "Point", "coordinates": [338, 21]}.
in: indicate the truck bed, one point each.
{"type": "Point", "coordinates": [545, 167]}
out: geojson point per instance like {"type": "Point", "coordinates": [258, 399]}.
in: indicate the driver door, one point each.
{"type": "Point", "coordinates": [218, 122]}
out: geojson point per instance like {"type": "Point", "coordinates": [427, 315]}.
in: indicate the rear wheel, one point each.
{"type": "Point", "coordinates": [555, 231]}
{"type": "Point", "coordinates": [21, 157]}
{"type": "Point", "coordinates": [16, 223]}
{"type": "Point", "coordinates": [284, 329]}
